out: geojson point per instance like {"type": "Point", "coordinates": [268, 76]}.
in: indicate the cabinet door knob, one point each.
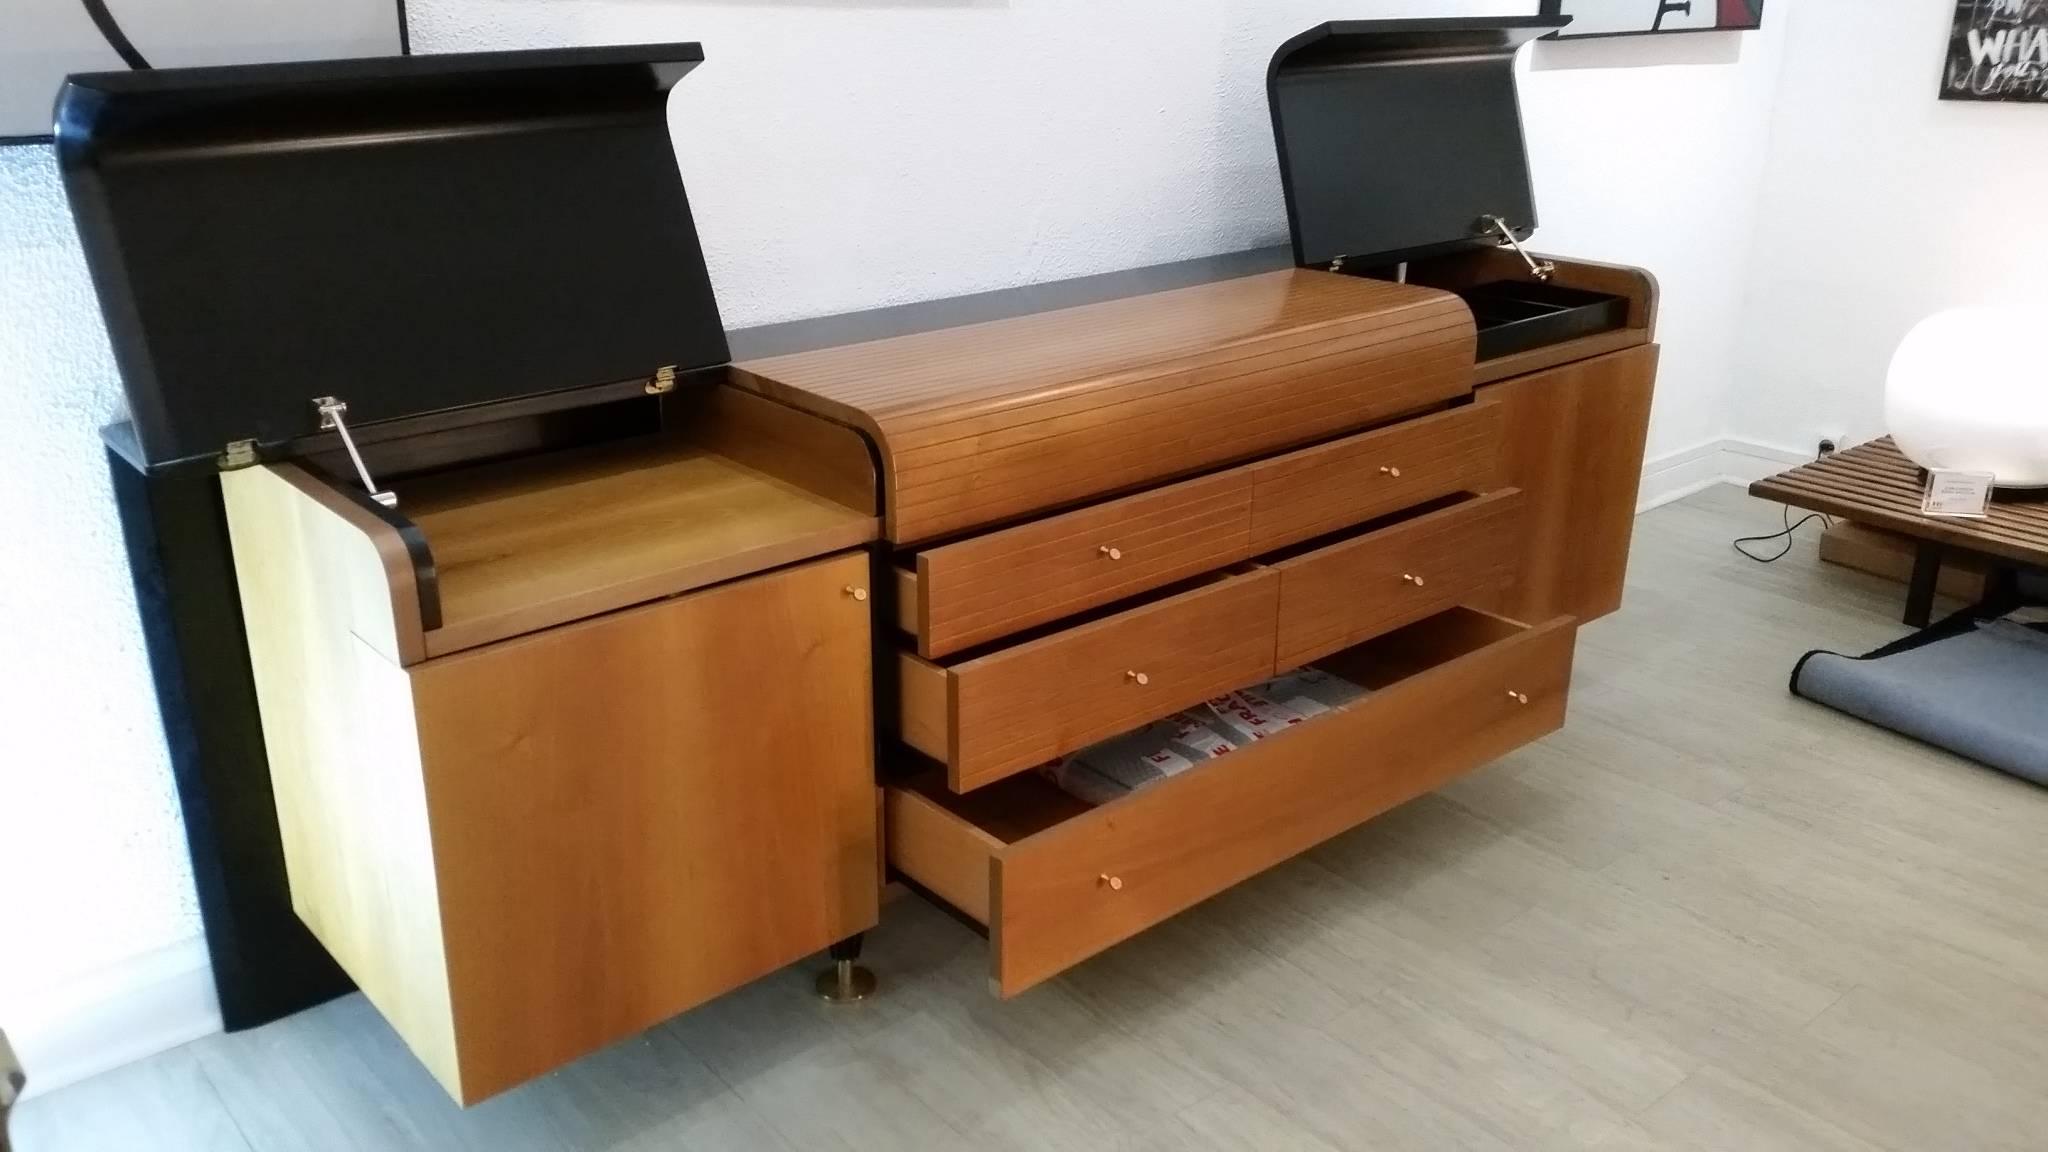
{"type": "Point", "coordinates": [1112, 553]}
{"type": "Point", "coordinates": [1113, 883]}
{"type": "Point", "coordinates": [1411, 578]}
{"type": "Point", "coordinates": [1137, 678]}
{"type": "Point", "coordinates": [1518, 697]}
{"type": "Point", "coordinates": [856, 593]}
{"type": "Point", "coordinates": [1390, 470]}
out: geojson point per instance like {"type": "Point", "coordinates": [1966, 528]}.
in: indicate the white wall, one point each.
{"type": "Point", "coordinates": [92, 859]}
{"type": "Point", "coordinates": [1881, 204]}
{"type": "Point", "coordinates": [840, 155]}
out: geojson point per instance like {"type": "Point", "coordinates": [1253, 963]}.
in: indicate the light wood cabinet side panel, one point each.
{"type": "Point", "coordinates": [634, 814]}
{"type": "Point", "coordinates": [1572, 441]}
{"type": "Point", "coordinates": [338, 729]}
{"type": "Point", "coordinates": [356, 563]}
{"type": "Point", "coordinates": [1613, 415]}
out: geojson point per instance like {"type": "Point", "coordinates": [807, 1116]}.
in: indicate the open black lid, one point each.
{"type": "Point", "coordinates": [1396, 137]}
{"type": "Point", "coordinates": [409, 234]}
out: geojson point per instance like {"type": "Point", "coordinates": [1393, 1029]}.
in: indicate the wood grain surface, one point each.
{"type": "Point", "coordinates": [338, 729]}
{"type": "Point", "coordinates": [821, 457]}
{"type": "Point", "coordinates": [1573, 443]}
{"type": "Point", "coordinates": [1449, 698]}
{"type": "Point", "coordinates": [1308, 493]}
{"type": "Point", "coordinates": [990, 421]}
{"type": "Point", "coordinates": [535, 542]}
{"type": "Point", "coordinates": [1875, 484]}
{"type": "Point", "coordinates": [1349, 591]}
{"type": "Point", "coordinates": [1024, 705]}
{"type": "Point", "coordinates": [1706, 916]}
{"type": "Point", "coordinates": [634, 814]}
{"type": "Point", "coordinates": [1001, 582]}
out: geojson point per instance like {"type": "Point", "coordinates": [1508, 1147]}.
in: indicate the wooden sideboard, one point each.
{"type": "Point", "coordinates": [1100, 515]}
{"type": "Point", "coordinates": [567, 744]}
{"type": "Point", "coordinates": [577, 736]}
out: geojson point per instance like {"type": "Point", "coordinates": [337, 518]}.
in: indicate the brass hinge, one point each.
{"type": "Point", "coordinates": [333, 413]}
{"type": "Point", "coordinates": [238, 454]}
{"type": "Point", "coordinates": [1541, 269]}
{"type": "Point", "coordinates": [664, 381]}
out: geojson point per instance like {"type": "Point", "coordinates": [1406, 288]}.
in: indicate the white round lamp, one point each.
{"type": "Point", "coordinates": [1968, 390]}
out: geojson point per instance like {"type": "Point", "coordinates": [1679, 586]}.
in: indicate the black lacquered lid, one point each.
{"type": "Point", "coordinates": [1397, 137]}
{"type": "Point", "coordinates": [411, 235]}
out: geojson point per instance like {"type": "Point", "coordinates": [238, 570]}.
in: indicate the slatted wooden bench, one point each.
{"type": "Point", "coordinates": [1875, 485]}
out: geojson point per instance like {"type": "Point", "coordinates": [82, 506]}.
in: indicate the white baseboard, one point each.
{"type": "Point", "coordinates": [97, 1022]}
{"type": "Point", "coordinates": [1676, 475]}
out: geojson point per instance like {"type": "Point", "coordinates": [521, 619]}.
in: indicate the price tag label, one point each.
{"type": "Point", "coordinates": [1965, 494]}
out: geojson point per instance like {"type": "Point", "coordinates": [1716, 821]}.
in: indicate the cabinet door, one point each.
{"type": "Point", "coordinates": [636, 813]}
{"type": "Point", "coordinates": [1572, 441]}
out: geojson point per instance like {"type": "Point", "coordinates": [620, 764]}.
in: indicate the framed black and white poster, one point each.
{"type": "Point", "coordinates": [43, 41]}
{"type": "Point", "coordinates": [1642, 17]}
{"type": "Point", "coordinates": [1998, 50]}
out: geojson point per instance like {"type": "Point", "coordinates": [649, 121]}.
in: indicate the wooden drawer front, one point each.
{"type": "Point", "coordinates": [1332, 486]}
{"type": "Point", "coordinates": [1354, 589]}
{"type": "Point", "coordinates": [626, 820]}
{"type": "Point", "coordinates": [1003, 582]}
{"type": "Point", "coordinates": [1089, 878]}
{"type": "Point", "coordinates": [1000, 714]}
{"type": "Point", "coordinates": [1070, 448]}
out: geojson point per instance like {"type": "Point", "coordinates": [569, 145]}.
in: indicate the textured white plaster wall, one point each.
{"type": "Point", "coordinates": [92, 857]}
{"type": "Point", "coordinates": [840, 154]}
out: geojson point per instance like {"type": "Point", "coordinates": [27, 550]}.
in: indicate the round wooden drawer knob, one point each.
{"type": "Point", "coordinates": [1518, 697]}
{"type": "Point", "coordinates": [1113, 883]}
{"type": "Point", "coordinates": [1112, 553]}
{"type": "Point", "coordinates": [1390, 470]}
{"type": "Point", "coordinates": [856, 593]}
{"type": "Point", "coordinates": [1137, 678]}
{"type": "Point", "coordinates": [1412, 579]}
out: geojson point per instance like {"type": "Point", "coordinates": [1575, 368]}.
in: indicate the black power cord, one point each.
{"type": "Point", "coordinates": [1785, 535]}
{"type": "Point", "coordinates": [116, 39]}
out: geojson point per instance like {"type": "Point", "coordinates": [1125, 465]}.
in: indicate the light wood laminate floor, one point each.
{"type": "Point", "coordinates": [1705, 916]}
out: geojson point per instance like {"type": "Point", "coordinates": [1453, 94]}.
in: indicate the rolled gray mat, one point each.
{"type": "Point", "coordinates": [1976, 688]}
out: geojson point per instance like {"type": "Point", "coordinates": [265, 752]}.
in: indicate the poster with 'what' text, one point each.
{"type": "Point", "coordinates": [1998, 50]}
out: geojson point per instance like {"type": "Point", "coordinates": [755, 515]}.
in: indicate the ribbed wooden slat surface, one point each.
{"type": "Point", "coordinates": [1874, 484]}
{"type": "Point", "coordinates": [992, 421]}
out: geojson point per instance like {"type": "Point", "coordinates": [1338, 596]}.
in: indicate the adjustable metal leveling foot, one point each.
{"type": "Point", "coordinates": [846, 982]}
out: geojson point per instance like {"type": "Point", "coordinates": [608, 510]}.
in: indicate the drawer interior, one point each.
{"type": "Point", "coordinates": [1024, 805]}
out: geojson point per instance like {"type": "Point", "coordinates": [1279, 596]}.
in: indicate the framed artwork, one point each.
{"type": "Point", "coordinates": [1642, 17]}
{"type": "Point", "coordinates": [44, 41]}
{"type": "Point", "coordinates": [1998, 50]}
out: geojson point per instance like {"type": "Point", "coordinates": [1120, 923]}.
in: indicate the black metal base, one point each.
{"type": "Point", "coordinates": [845, 982]}
{"type": "Point", "coordinates": [2001, 588]}
{"type": "Point", "coordinates": [266, 964]}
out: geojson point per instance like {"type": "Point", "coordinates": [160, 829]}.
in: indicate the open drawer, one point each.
{"type": "Point", "coordinates": [972, 591]}
{"type": "Point", "coordinates": [1057, 881]}
{"type": "Point", "coordinates": [989, 714]}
